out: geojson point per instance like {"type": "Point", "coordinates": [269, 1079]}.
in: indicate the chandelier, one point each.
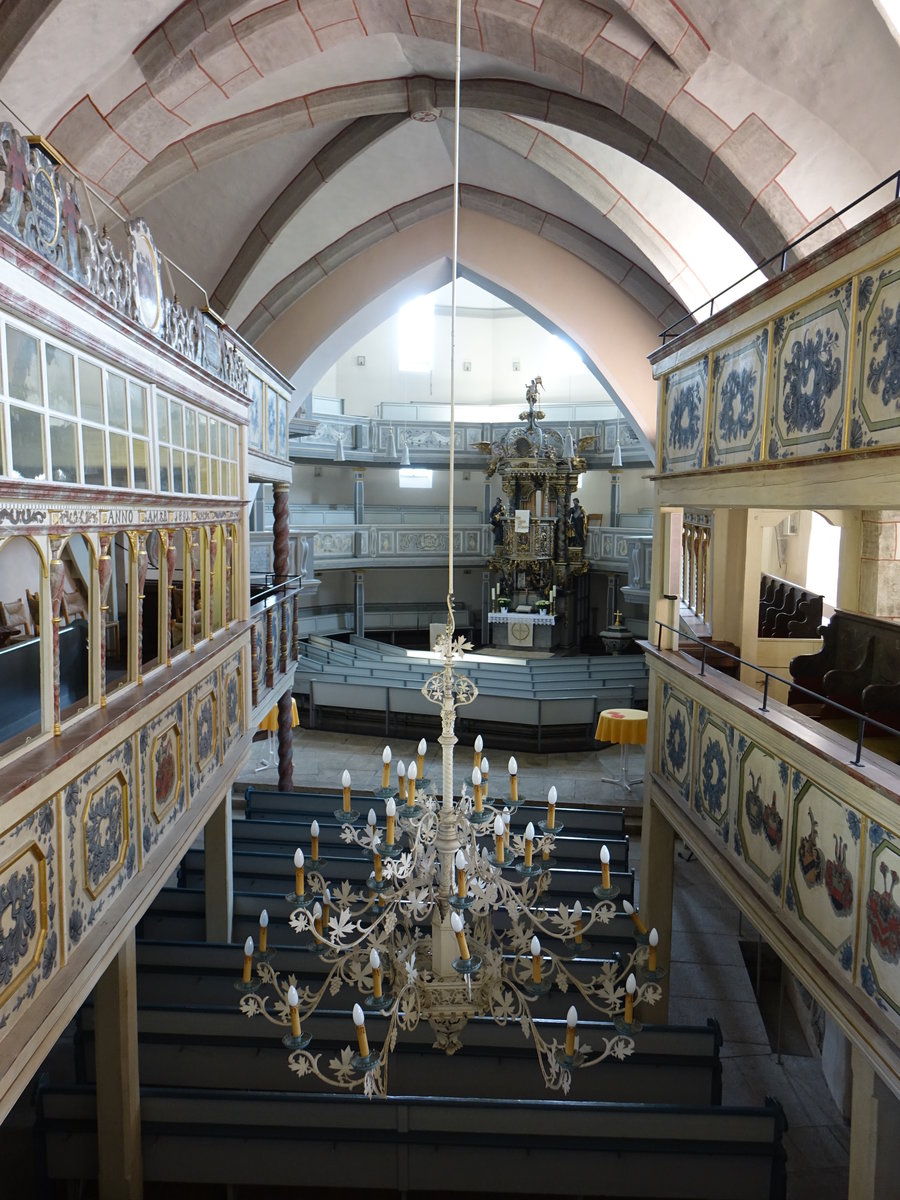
{"type": "Point", "coordinates": [449, 924]}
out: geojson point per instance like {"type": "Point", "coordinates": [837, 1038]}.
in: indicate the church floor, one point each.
{"type": "Point", "coordinates": [709, 977]}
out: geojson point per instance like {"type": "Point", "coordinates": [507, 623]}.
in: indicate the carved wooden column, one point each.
{"type": "Point", "coordinates": [285, 744]}
{"type": "Point", "coordinates": [226, 599]}
{"type": "Point", "coordinates": [270, 646]}
{"type": "Point", "coordinates": [104, 577]}
{"type": "Point", "coordinates": [283, 655]}
{"type": "Point", "coordinates": [295, 644]}
{"type": "Point", "coordinates": [118, 1087]}
{"type": "Point", "coordinates": [139, 544]}
{"type": "Point", "coordinates": [280, 531]}
{"type": "Point", "coordinates": [194, 558]}
{"type": "Point", "coordinates": [57, 577]}
{"type": "Point", "coordinates": [255, 664]}
{"type": "Point", "coordinates": [281, 513]}
{"type": "Point", "coordinates": [170, 590]}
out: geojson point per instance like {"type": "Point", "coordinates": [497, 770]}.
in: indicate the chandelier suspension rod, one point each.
{"type": "Point", "coordinates": [453, 268]}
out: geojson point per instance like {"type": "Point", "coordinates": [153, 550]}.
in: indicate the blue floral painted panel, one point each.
{"type": "Point", "coordinates": [29, 903]}
{"type": "Point", "coordinates": [738, 399]}
{"type": "Point", "coordinates": [684, 417]}
{"type": "Point", "coordinates": [875, 408]}
{"type": "Point", "coordinates": [809, 376]}
{"type": "Point", "coordinates": [715, 741]}
{"type": "Point", "coordinates": [676, 740]}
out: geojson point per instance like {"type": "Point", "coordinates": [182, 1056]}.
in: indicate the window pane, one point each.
{"type": "Point", "coordinates": [24, 367]}
{"type": "Point", "coordinates": [204, 475]}
{"type": "Point", "coordinates": [162, 418]}
{"type": "Point", "coordinates": [138, 398]}
{"type": "Point", "coordinates": [116, 403]}
{"type": "Point", "coordinates": [26, 430]}
{"type": "Point", "coordinates": [175, 423]}
{"type": "Point", "coordinates": [90, 385]}
{"type": "Point", "coordinates": [190, 429]}
{"type": "Point", "coordinates": [92, 444]}
{"type": "Point", "coordinates": [213, 438]}
{"type": "Point", "coordinates": [204, 433]}
{"type": "Point", "coordinates": [192, 473]}
{"type": "Point", "coordinates": [214, 476]}
{"type": "Point", "coordinates": [63, 451]}
{"type": "Point", "coordinates": [60, 380]}
{"type": "Point", "coordinates": [118, 460]}
{"type": "Point", "coordinates": [141, 453]}
{"type": "Point", "coordinates": [232, 443]}
{"type": "Point", "coordinates": [164, 472]}
{"type": "Point", "coordinates": [178, 471]}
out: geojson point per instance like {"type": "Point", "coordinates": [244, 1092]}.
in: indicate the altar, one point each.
{"type": "Point", "coordinates": [524, 630]}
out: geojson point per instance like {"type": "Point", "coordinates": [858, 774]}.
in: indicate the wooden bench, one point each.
{"type": "Point", "coordinates": [787, 610]}
{"type": "Point", "coordinates": [420, 1144]}
{"type": "Point", "coordinates": [219, 1047]}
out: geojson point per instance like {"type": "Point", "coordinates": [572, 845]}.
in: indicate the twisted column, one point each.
{"type": "Point", "coordinates": [213, 552]}
{"type": "Point", "coordinates": [167, 542]}
{"type": "Point", "coordinates": [57, 576]}
{"type": "Point", "coordinates": [104, 577]}
{"type": "Point", "coordinates": [285, 743]}
{"type": "Point", "coordinates": [280, 528]}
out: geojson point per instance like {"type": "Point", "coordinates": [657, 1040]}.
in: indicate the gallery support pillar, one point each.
{"type": "Point", "coordinates": [218, 872]}
{"type": "Point", "coordinates": [281, 512]}
{"type": "Point", "coordinates": [121, 1173]}
{"type": "Point", "coordinates": [657, 883]}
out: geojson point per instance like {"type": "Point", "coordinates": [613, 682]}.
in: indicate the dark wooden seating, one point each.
{"type": "Point", "coordinates": [787, 610]}
{"type": "Point", "coordinates": [858, 667]}
{"type": "Point", "coordinates": [421, 1144]}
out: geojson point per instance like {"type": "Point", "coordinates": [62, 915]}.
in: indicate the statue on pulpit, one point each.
{"type": "Point", "coordinates": [576, 517]}
{"type": "Point", "coordinates": [498, 516]}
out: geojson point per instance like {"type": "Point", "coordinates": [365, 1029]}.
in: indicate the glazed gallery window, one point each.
{"type": "Point", "coordinates": [71, 419]}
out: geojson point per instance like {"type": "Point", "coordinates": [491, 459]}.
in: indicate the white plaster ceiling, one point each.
{"type": "Point", "coordinates": [686, 139]}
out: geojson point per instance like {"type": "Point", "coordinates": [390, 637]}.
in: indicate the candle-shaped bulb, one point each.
{"type": "Point", "coordinates": [359, 1021]}
{"type": "Point", "coordinates": [479, 743]}
{"type": "Point", "coordinates": [248, 959]}
{"type": "Point", "coordinates": [314, 829]}
{"type": "Point", "coordinates": [456, 925]}
{"type": "Point", "coordinates": [375, 964]}
{"type": "Point", "coordinates": [386, 766]}
{"type": "Point", "coordinates": [654, 942]}
{"type": "Point", "coordinates": [248, 946]}
{"type": "Point", "coordinates": [371, 819]}
{"type": "Point", "coordinates": [298, 859]}
{"type": "Point", "coordinates": [401, 768]}
{"type": "Point", "coordinates": [314, 840]}
{"type": "Point", "coordinates": [374, 959]}
{"type": "Point", "coordinates": [476, 789]}
{"type": "Point", "coordinates": [390, 810]}
{"type": "Point", "coordinates": [551, 808]}
{"type": "Point", "coordinates": [604, 865]}
{"type": "Point", "coordinates": [551, 795]}
{"type": "Point", "coordinates": [460, 861]}
{"type": "Point", "coordinates": [422, 747]}
{"type": "Point", "coordinates": [529, 832]}
{"type": "Point", "coordinates": [298, 872]}
{"type": "Point", "coordinates": [631, 984]}
{"type": "Point", "coordinates": [263, 931]}
{"type": "Point", "coordinates": [632, 912]}
{"type": "Point", "coordinates": [485, 768]}
{"type": "Point", "coordinates": [536, 964]}
{"type": "Point", "coordinates": [577, 910]}
{"type": "Point", "coordinates": [578, 914]}
{"type": "Point", "coordinates": [345, 785]}
{"type": "Point", "coordinates": [630, 989]}
{"type": "Point", "coordinates": [376, 858]}
{"type": "Point", "coordinates": [476, 777]}
{"type": "Point", "coordinates": [571, 1025]}
{"type": "Point", "coordinates": [413, 772]}
{"type": "Point", "coordinates": [498, 826]}
{"type": "Point", "coordinates": [391, 807]}
{"type": "Point", "coordinates": [345, 779]}
{"type": "Point", "coordinates": [293, 1000]}
{"type": "Point", "coordinates": [401, 778]}
{"type": "Point", "coordinates": [529, 843]}
{"type": "Point", "coordinates": [512, 766]}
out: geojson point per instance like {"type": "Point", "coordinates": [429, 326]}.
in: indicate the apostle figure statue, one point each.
{"type": "Point", "coordinates": [498, 515]}
{"type": "Point", "coordinates": [576, 524]}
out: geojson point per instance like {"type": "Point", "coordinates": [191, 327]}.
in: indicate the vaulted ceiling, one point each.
{"type": "Point", "coordinates": [274, 146]}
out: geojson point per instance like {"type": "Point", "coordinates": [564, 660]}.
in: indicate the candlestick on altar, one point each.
{"type": "Point", "coordinates": [386, 766]}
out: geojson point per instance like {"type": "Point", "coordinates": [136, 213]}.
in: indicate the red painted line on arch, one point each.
{"type": "Point", "coordinates": [204, 71]}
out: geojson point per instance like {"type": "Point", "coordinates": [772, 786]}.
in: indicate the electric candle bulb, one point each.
{"type": "Point", "coordinates": [314, 840]}
{"type": "Point", "coordinates": [578, 914]}
{"type": "Point", "coordinates": [377, 860]}
{"type": "Point", "coordinates": [498, 838]}
{"type": "Point", "coordinates": [326, 910]}
{"type": "Point", "coordinates": [248, 958]}
{"type": "Point", "coordinates": [551, 808]}
{"type": "Point", "coordinates": [390, 810]}
{"type": "Point", "coordinates": [571, 1025]}
{"type": "Point", "coordinates": [345, 784]}
{"type": "Point", "coordinates": [359, 1021]}
{"type": "Point", "coordinates": [317, 918]}
{"type": "Point", "coordinates": [476, 789]}
{"type": "Point", "coordinates": [604, 865]}
{"type": "Point", "coordinates": [460, 872]}
{"type": "Point", "coordinates": [371, 820]}
{"type": "Point", "coordinates": [457, 926]}
{"type": "Point", "coordinates": [263, 931]}
{"type": "Point", "coordinates": [505, 815]}
{"type": "Point", "coordinates": [654, 942]}
{"type": "Point", "coordinates": [529, 843]}
{"type": "Point", "coordinates": [485, 769]}
{"type": "Point", "coordinates": [298, 872]}
{"type": "Point", "coordinates": [420, 757]}
{"type": "Point", "coordinates": [535, 959]}
{"type": "Point", "coordinates": [632, 912]}
{"type": "Point", "coordinates": [513, 768]}
{"type": "Point", "coordinates": [630, 989]}
{"type": "Point", "coordinates": [479, 746]}
{"type": "Point", "coordinates": [411, 776]}
{"type": "Point", "coordinates": [375, 964]}
{"type": "Point", "coordinates": [401, 778]}
{"type": "Point", "coordinates": [293, 1001]}
{"type": "Point", "coordinates": [386, 766]}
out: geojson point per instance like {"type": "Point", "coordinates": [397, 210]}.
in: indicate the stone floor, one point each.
{"type": "Point", "coordinates": [708, 975]}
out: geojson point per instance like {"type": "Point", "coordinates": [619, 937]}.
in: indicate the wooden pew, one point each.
{"type": "Point", "coordinates": [422, 1144]}
{"type": "Point", "coordinates": [788, 610]}
{"type": "Point", "coordinates": [219, 1047]}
